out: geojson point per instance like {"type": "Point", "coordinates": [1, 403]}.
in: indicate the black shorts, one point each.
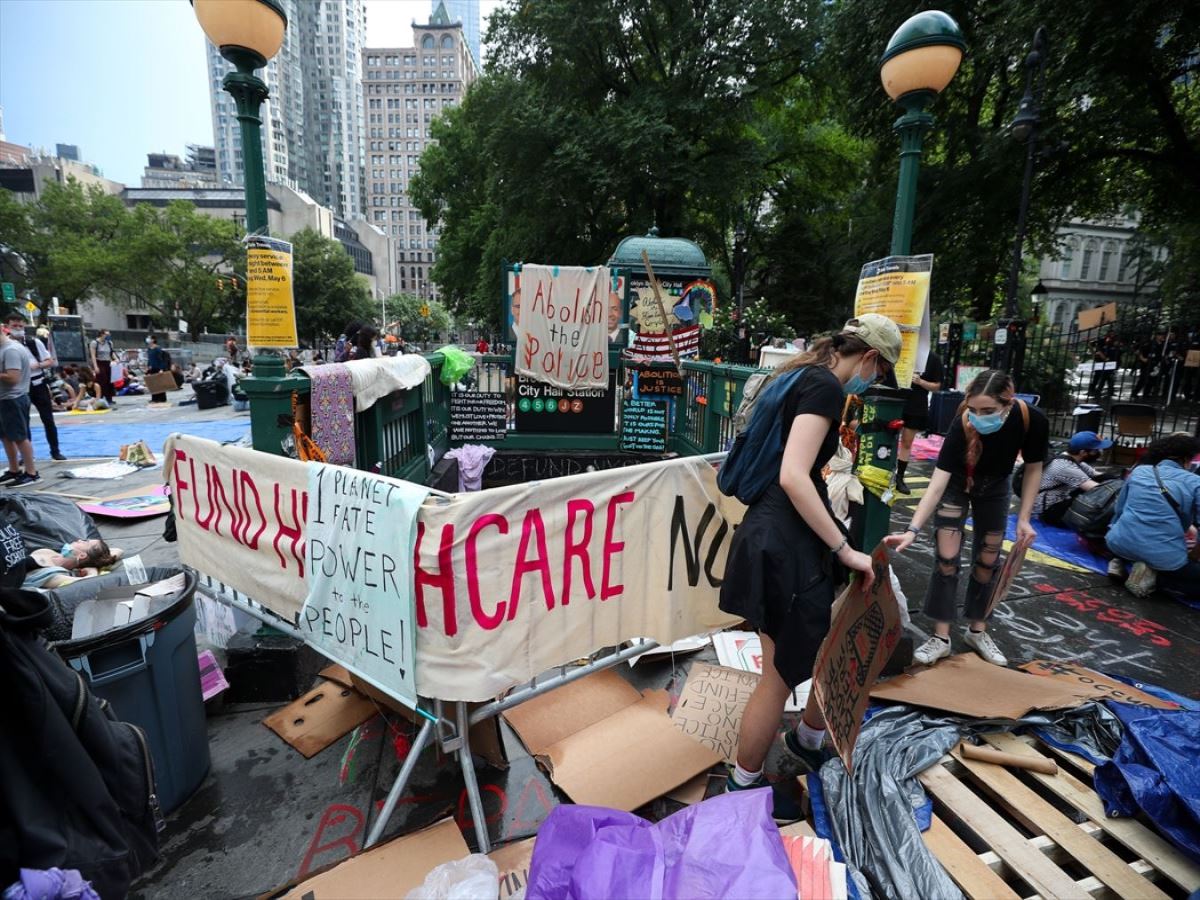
{"type": "Point", "coordinates": [779, 577]}
{"type": "Point", "coordinates": [918, 421]}
{"type": "Point", "coordinates": [14, 418]}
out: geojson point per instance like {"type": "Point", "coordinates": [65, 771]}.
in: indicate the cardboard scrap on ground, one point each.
{"type": "Point", "coordinates": [711, 704]}
{"type": "Point", "coordinates": [513, 862]}
{"type": "Point", "coordinates": [387, 871]}
{"type": "Point", "coordinates": [605, 744]}
{"type": "Point", "coordinates": [1095, 686]}
{"type": "Point", "coordinates": [743, 650]}
{"type": "Point", "coordinates": [319, 718]}
{"type": "Point", "coordinates": [862, 635]}
{"type": "Point", "coordinates": [1012, 565]}
{"type": "Point", "coordinates": [138, 503]}
{"type": "Point", "coordinates": [967, 685]}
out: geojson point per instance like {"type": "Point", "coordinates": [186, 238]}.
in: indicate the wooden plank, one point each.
{"type": "Point", "coordinates": [961, 863]}
{"type": "Point", "coordinates": [319, 718]}
{"type": "Point", "coordinates": [1030, 864]}
{"type": "Point", "coordinates": [1133, 834]}
{"type": "Point", "coordinates": [1097, 859]}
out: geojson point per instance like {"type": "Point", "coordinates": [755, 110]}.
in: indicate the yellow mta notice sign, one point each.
{"type": "Point", "coordinates": [270, 306]}
{"type": "Point", "coordinates": [898, 287]}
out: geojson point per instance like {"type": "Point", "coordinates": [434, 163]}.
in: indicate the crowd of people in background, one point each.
{"type": "Point", "coordinates": [1158, 363]}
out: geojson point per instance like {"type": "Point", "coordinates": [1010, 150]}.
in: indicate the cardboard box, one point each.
{"type": "Point", "coordinates": [967, 685]}
{"type": "Point", "coordinates": [385, 872]}
{"type": "Point", "coordinates": [513, 862]}
{"type": "Point", "coordinates": [607, 745]}
{"type": "Point", "coordinates": [710, 709]}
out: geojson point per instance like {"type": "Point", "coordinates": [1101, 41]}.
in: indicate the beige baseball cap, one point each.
{"type": "Point", "coordinates": [879, 332]}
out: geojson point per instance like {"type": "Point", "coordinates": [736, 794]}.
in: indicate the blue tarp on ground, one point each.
{"type": "Point", "coordinates": [101, 439]}
{"type": "Point", "coordinates": [1154, 771]}
{"type": "Point", "coordinates": [1060, 543]}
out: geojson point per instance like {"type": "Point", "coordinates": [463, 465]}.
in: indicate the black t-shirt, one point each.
{"type": "Point", "coordinates": [819, 393]}
{"type": "Point", "coordinates": [14, 558]}
{"type": "Point", "coordinates": [917, 403]}
{"type": "Point", "coordinates": [1000, 448]}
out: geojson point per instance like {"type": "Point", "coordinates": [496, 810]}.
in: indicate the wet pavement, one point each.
{"type": "Point", "coordinates": [265, 815]}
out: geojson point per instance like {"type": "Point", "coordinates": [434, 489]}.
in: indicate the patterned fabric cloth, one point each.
{"type": "Point", "coordinates": [332, 404]}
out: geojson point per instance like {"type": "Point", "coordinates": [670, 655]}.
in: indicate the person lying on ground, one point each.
{"type": "Point", "coordinates": [1069, 474]}
{"type": "Point", "coordinates": [1157, 513]}
{"type": "Point", "coordinates": [48, 569]}
{"type": "Point", "coordinates": [974, 473]}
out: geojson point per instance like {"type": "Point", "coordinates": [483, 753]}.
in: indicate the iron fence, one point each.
{"type": "Point", "coordinates": [1080, 373]}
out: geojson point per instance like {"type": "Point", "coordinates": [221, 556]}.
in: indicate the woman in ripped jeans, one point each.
{"type": "Point", "coordinates": [974, 477]}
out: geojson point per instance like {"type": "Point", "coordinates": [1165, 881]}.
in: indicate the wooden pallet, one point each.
{"type": "Point", "coordinates": [1032, 847]}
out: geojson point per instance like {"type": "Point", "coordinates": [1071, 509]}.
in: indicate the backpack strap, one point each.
{"type": "Point", "coordinates": [1170, 498]}
{"type": "Point", "coordinates": [1024, 412]}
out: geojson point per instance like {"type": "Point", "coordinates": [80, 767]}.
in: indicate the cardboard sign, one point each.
{"type": "Point", "coordinates": [862, 635]}
{"type": "Point", "coordinates": [1192, 360]}
{"type": "Point", "coordinates": [711, 705]}
{"type": "Point", "coordinates": [478, 416]}
{"type": "Point", "coordinates": [359, 611]}
{"type": "Point", "coordinates": [1012, 565]}
{"type": "Point", "coordinates": [1095, 685]}
{"type": "Point", "coordinates": [545, 409]}
{"type": "Point", "coordinates": [898, 287]}
{"type": "Point", "coordinates": [270, 307]}
{"type": "Point", "coordinates": [644, 426]}
{"type": "Point", "coordinates": [562, 337]}
{"type": "Point", "coordinates": [655, 381]}
{"type": "Point", "coordinates": [1094, 318]}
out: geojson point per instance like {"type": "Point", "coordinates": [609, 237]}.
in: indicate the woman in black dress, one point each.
{"type": "Point", "coordinates": [779, 576]}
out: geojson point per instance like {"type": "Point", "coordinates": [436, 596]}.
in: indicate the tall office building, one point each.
{"type": "Point", "coordinates": [313, 120]}
{"type": "Point", "coordinates": [404, 89]}
{"type": "Point", "coordinates": [466, 13]}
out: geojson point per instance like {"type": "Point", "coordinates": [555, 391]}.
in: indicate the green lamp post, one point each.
{"type": "Point", "coordinates": [920, 60]}
{"type": "Point", "coordinates": [249, 33]}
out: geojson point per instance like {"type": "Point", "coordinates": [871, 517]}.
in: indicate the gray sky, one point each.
{"type": "Point", "coordinates": [122, 78]}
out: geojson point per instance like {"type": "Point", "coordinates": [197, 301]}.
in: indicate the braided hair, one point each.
{"type": "Point", "coordinates": [996, 384]}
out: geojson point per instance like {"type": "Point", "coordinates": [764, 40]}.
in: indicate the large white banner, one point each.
{"type": "Point", "coordinates": [359, 540]}
{"type": "Point", "coordinates": [562, 332]}
{"type": "Point", "coordinates": [507, 582]}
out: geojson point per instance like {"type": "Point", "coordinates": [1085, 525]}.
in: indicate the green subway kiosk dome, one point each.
{"type": "Point", "coordinates": [668, 256]}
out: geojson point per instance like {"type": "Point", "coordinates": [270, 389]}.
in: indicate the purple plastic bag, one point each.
{"type": "Point", "coordinates": [728, 846]}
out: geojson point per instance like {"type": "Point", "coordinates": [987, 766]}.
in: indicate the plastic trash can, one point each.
{"type": "Point", "coordinates": [943, 407]}
{"type": "Point", "coordinates": [147, 670]}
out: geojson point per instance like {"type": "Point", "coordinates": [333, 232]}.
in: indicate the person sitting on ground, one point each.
{"type": "Point", "coordinates": [177, 374]}
{"type": "Point", "coordinates": [90, 395]}
{"type": "Point", "coordinates": [49, 569]}
{"type": "Point", "coordinates": [1157, 512]}
{"type": "Point", "coordinates": [67, 388]}
{"type": "Point", "coordinates": [1067, 475]}
{"type": "Point", "coordinates": [192, 373]}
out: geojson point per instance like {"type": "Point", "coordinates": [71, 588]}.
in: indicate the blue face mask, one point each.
{"type": "Point", "coordinates": [986, 424]}
{"type": "Point", "coordinates": [66, 550]}
{"type": "Point", "coordinates": [857, 384]}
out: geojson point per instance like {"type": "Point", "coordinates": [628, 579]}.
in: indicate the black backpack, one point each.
{"type": "Point", "coordinates": [77, 787]}
{"type": "Point", "coordinates": [1091, 512]}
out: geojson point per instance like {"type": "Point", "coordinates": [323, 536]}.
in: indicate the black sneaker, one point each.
{"type": "Point", "coordinates": [24, 480]}
{"type": "Point", "coordinates": [811, 759]}
{"type": "Point", "coordinates": [57, 455]}
{"type": "Point", "coordinates": [10, 476]}
{"type": "Point", "coordinates": [785, 809]}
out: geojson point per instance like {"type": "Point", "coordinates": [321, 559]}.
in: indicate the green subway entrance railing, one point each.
{"type": "Point", "coordinates": [395, 436]}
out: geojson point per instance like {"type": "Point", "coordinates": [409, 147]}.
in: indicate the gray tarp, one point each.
{"type": "Point", "coordinates": [872, 813]}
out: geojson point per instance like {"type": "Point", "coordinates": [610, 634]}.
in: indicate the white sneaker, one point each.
{"type": "Point", "coordinates": [1116, 568]}
{"type": "Point", "coordinates": [1141, 580]}
{"type": "Point", "coordinates": [931, 651]}
{"type": "Point", "coordinates": [981, 642]}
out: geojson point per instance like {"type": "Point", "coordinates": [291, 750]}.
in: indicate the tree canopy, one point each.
{"type": "Point", "coordinates": [328, 292]}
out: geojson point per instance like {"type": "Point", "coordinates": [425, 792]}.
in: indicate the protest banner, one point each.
{"type": "Point", "coordinates": [512, 306]}
{"type": "Point", "coordinates": [478, 416]}
{"type": "Point", "coordinates": [270, 306]}
{"type": "Point", "coordinates": [898, 287]}
{"type": "Point", "coordinates": [864, 632]}
{"type": "Point", "coordinates": [508, 582]}
{"type": "Point", "coordinates": [644, 426]}
{"type": "Point", "coordinates": [659, 381]}
{"type": "Point", "coordinates": [562, 337]}
{"type": "Point", "coordinates": [359, 540]}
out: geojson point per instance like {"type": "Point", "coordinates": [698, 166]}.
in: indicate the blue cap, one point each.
{"type": "Point", "coordinates": [1087, 440]}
